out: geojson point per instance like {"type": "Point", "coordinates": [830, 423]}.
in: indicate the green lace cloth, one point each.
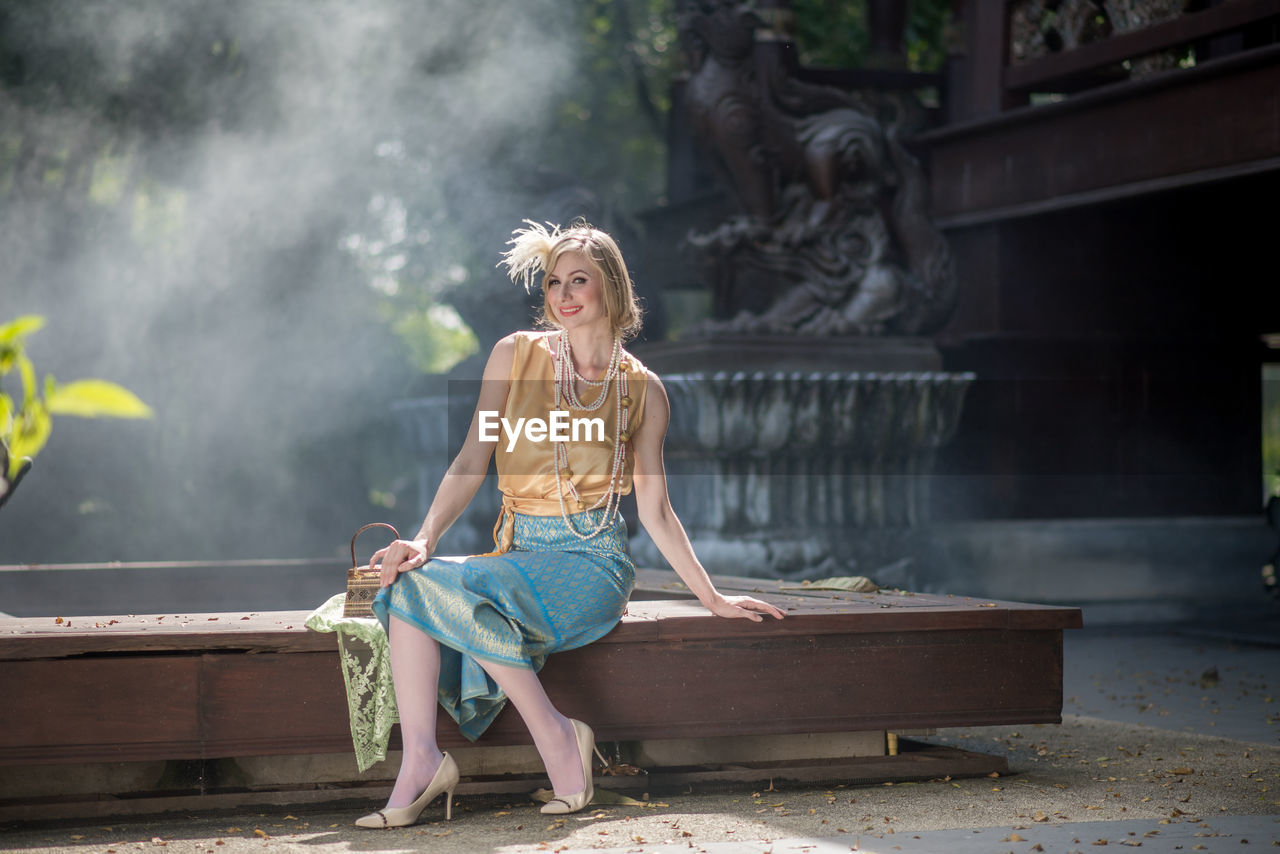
{"type": "Point", "coordinates": [365, 656]}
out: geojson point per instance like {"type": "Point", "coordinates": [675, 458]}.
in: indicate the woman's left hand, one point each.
{"type": "Point", "coordinates": [742, 607]}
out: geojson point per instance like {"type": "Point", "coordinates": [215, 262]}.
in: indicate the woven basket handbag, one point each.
{"type": "Point", "coordinates": [362, 582]}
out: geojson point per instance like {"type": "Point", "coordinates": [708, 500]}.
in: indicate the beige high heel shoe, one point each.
{"type": "Point", "coordinates": [586, 747]}
{"type": "Point", "coordinates": [445, 780]}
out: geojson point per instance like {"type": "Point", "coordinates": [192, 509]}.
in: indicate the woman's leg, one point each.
{"type": "Point", "coordinates": [552, 733]}
{"type": "Point", "coordinates": [415, 666]}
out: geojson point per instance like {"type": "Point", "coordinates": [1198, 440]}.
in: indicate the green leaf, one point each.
{"type": "Point", "coordinates": [28, 373]}
{"type": "Point", "coordinates": [96, 399]}
{"type": "Point", "coordinates": [11, 336]}
{"type": "Point", "coordinates": [20, 328]}
{"type": "Point", "coordinates": [31, 430]}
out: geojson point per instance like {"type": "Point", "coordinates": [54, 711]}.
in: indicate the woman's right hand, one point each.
{"type": "Point", "coordinates": [400, 556]}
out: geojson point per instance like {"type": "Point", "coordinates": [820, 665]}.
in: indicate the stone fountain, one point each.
{"type": "Point", "coordinates": [808, 411]}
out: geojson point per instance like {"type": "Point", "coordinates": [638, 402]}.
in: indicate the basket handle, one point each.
{"type": "Point", "coordinates": [361, 531]}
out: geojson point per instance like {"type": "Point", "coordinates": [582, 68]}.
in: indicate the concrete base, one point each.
{"type": "Point", "coordinates": [1117, 570]}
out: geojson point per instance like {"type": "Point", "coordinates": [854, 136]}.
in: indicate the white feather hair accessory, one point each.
{"type": "Point", "coordinates": [530, 248]}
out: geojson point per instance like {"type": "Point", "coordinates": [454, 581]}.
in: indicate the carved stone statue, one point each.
{"type": "Point", "coordinates": [833, 238]}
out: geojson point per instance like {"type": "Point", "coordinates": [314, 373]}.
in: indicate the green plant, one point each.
{"type": "Point", "coordinates": [25, 425]}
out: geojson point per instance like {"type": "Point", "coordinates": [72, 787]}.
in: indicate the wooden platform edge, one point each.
{"type": "Point", "coordinates": [916, 762]}
{"type": "Point", "coordinates": [662, 611]}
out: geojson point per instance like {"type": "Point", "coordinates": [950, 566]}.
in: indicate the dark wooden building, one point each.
{"type": "Point", "coordinates": [1106, 183]}
{"type": "Point", "coordinates": [1111, 207]}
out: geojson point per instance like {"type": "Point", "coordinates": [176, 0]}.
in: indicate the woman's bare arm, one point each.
{"type": "Point", "coordinates": [659, 519]}
{"type": "Point", "coordinates": [464, 476]}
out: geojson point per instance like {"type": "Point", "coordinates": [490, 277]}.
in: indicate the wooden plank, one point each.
{"type": "Point", "coordinates": [1044, 72]}
{"type": "Point", "coordinates": [100, 710]}
{"type": "Point", "coordinates": [917, 762]}
{"type": "Point", "coordinates": [819, 684]}
{"type": "Point", "coordinates": [275, 703]}
{"type": "Point", "coordinates": [1101, 195]}
{"type": "Point", "coordinates": [981, 91]}
{"type": "Point", "coordinates": [810, 612]}
{"type": "Point", "coordinates": [1136, 136]}
{"type": "Point", "coordinates": [142, 707]}
{"type": "Point", "coordinates": [274, 631]}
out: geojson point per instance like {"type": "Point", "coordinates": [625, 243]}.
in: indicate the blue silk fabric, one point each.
{"type": "Point", "coordinates": [551, 592]}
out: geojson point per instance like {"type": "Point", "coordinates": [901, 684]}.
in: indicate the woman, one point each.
{"type": "Point", "coordinates": [474, 633]}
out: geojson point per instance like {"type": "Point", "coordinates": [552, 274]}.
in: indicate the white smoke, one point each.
{"type": "Point", "coordinates": [208, 258]}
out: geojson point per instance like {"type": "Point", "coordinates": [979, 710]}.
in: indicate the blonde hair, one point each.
{"type": "Point", "coordinates": [536, 250]}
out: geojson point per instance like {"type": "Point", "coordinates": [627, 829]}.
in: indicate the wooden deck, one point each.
{"type": "Point", "coordinates": [206, 686]}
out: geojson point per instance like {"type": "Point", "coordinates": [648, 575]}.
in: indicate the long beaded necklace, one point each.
{"type": "Point", "coordinates": [566, 390]}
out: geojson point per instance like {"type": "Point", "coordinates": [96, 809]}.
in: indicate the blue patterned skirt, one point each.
{"type": "Point", "coordinates": [551, 592]}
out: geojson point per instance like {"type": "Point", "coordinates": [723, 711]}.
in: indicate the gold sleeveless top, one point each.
{"type": "Point", "coordinates": [527, 473]}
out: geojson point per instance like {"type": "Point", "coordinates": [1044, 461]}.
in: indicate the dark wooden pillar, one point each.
{"type": "Point", "coordinates": [887, 24]}
{"type": "Point", "coordinates": [977, 89]}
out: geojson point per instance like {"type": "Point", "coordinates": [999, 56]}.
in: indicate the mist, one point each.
{"type": "Point", "coordinates": [210, 203]}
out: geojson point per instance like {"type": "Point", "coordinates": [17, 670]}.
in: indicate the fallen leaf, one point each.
{"type": "Point", "coordinates": [621, 769]}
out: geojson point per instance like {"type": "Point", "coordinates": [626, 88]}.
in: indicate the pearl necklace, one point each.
{"type": "Point", "coordinates": [565, 374]}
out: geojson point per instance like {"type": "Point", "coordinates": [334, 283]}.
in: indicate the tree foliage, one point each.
{"type": "Point", "coordinates": [835, 34]}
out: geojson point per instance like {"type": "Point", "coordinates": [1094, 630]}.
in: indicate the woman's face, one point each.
{"type": "Point", "coordinates": [575, 292]}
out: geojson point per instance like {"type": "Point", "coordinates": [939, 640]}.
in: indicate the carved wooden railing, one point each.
{"type": "Point", "coordinates": [1016, 53]}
